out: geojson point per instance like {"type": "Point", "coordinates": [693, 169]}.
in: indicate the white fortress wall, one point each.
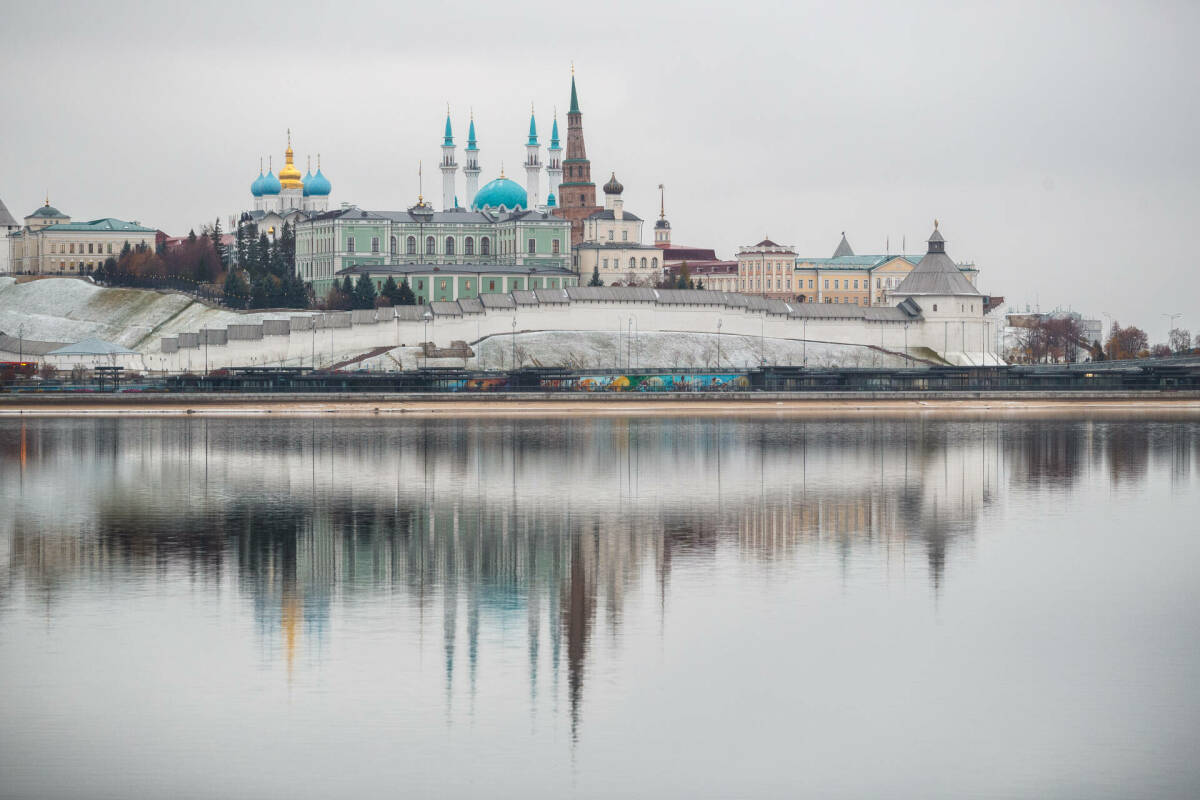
{"type": "Point", "coordinates": [339, 336]}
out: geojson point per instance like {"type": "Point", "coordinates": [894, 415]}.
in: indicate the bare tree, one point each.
{"type": "Point", "coordinates": [1179, 340]}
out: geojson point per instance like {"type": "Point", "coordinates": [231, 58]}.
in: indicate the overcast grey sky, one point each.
{"type": "Point", "coordinates": [1056, 142]}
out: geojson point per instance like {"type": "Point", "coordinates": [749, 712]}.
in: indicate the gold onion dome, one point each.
{"type": "Point", "coordinates": [289, 176]}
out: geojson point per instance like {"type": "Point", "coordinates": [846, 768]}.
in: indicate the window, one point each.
{"type": "Point", "coordinates": [349, 244]}
{"type": "Point", "coordinates": [856, 284]}
{"type": "Point", "coordinates": [532, 246]}
{"type": "Point", "coordinates": [624, 236]}
{"type": "Point", "coordinates": [374, 244]}
{"type": "Point", "coordinates": [606, 263]}
{"type": "Point", "coordinates": [827, 283]}
{"type": "Point", "coordinates": [610, 236]}
{"type": "Point", "coordinates": [430, 246]}
{"type": "Point", "coordinates": [633, 263]}
{"type": "Point", "coordinates": [442, 283]}
{"type": "Point", "coordinates": [449, 245]}
{"type": "Point", "coordinates": [491, 286]}
{"type": "Point", "coordinates": [554, 246]}
{"type": "Point", "coordinates": [654, 263]}
{"type": "Point", "coordinates": [72, 247]}
{"type": "Point", "coordinates": [485, 246]}
{"type": "Point", "coordinates": [89, 247]}
{"type": "Point", "coordinates": [836, 284]}
{"type": "Point", "coordinates": [468, 284]}
{"type": "Point", "coordinates": [110, 248]}
{"type": "Point", "coordinates": [469, 246]}
{"type": "Point", "coordinates": [935, 306]}
{"type": "Point", "coordinates": [643, 263]}
{"type": "Point", "coordinates": [412, 245]}
{"type": "Point", "coordinates": [810, 283]}
{"type": "Point", "coordinates": [768, 283]}
{"type": "Point", "coordinates": [420, 284]}
{"type": "Point", "coordinates": [581, 200]}
{"type": "Point", "coordinates": [394, 245]}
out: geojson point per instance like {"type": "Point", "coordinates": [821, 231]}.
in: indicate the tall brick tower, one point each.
{"type": "Point", "coordinates": [577, 193]}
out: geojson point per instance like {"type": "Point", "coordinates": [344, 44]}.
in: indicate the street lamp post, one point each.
{"type": "Point", "coordinates": [629, 343]}
{"type": "Point", "coordinates": [427, 316]}
{"type": "Point", "coordinates": [1171, 324]}
{"type": "Point", "coordinates": [718, 342]}
{"type": "Point", "coordinates": [514, 343]}
{"type": "Point", "coordinates": [762, 341]}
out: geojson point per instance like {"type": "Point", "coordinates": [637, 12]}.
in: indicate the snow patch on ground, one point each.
{"type": "Point", "coordinates": [605, 350]}
{"type": "Point", "coordinates": [70, 310]}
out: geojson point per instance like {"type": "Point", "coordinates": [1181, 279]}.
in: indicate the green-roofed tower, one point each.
{"type": "Point", "coordinates": [577, 194]}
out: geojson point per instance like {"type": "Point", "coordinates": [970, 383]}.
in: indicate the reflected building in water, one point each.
{"type": "Point", "coordinates": [545, 530]}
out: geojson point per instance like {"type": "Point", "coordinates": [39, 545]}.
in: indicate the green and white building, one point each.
{"type": "Point", "coordinates": [433, 283]}
{"type": "Point", "coordinates": [502, 233]}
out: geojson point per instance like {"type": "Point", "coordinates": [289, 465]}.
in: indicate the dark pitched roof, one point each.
{"type": "Point", "coordinates": [936, 273]}
{"type": "Point", "coordinates": [608, 214]}
{"type": "Point", "coordinates": [843, 248]}
{"type": "Point", "coordinates": [766, 243]}
{"type": "Point", "coordinates": [6, 219]}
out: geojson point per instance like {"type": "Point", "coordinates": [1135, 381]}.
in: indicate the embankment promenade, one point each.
{"type": "Point", "coordinates": [607, 404]}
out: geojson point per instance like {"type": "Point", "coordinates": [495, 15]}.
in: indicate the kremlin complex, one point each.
{"type": "Point", "coordinates": [546, 232]}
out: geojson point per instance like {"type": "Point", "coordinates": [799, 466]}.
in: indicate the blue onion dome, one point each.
{"type": "Point", "coordinates": [271, 184]}
{"type": "Point", "coordinates": [304, 182]}
{"type": "Point", "coordinates": [501, 193]}
{"type": "Point", "coordinates": [552, 201]}
{"type": "Point", "coordinates": [256, 188]}
{"type": "Point", "coordinates": [318, 185]}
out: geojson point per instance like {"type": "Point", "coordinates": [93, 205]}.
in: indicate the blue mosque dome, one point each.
{"type": "Point", "coordinates": [318, 185]}
{"type": "Point", "coordinates": [501, 192]}
{"type": "Point", "coordinates": [270, 184]}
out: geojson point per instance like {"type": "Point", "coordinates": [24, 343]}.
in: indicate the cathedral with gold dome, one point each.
{"type": "Point", "coordinates": [288, 197]}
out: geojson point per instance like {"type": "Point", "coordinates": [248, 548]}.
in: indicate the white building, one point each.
{"type": "Point", "coordinates": [288, 197]}
{"type": "Point", "coordinates": [612, 242]}
{"type": "Point", "coordinates": [8, 226]}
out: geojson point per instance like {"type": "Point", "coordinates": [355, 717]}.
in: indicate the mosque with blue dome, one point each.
{"type": "Point", "coordinates": [504, 238]}
{"type": "Point", "coordinates": [287, 197]}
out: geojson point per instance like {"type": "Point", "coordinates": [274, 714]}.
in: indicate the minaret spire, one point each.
{"type": "Point", "coordinates": [449, 166]}
{"type": "Point", "coordinates": [554, 162]}
{"type": "Point", "coordinates": [533, 163]}
{"type": "Point", "coordinates": [472, 168]}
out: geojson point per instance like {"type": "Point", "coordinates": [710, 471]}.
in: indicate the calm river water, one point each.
{"type": "Point", "coordinates": [660, 607]}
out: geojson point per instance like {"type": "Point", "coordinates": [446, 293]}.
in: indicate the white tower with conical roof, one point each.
{"type": "Point", "coordinates": [472, 168]}
{"type": "Point", "coordinates": [449, 166]}
{"type": "Point", "coordinates": [533, 164]}
{"type": "Point", "coordinates": [554, 163]}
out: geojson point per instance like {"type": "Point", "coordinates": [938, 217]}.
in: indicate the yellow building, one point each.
{"type": "Point", "coordinates": [49, 243]}
{"type": "Point", "coordinates": [845, 278]}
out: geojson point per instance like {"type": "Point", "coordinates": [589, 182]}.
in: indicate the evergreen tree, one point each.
{"type": "Point", "coordinates": [287, 248]}
{"type": "Point", "coordinates": [405, 297]}
{"type": "Point", "coordinates": [218, 245]}
{"type": "Point", "coordinates": [237, 292]}
{"type": "Point", "coordinates": [390, 290]}
{"type": "Point", "coordinates": [700, 284]}
{"type": "Point", "coordinates": [595, 281]}
{"type": "Point", "coordinates": [364, 292]}
{"type": "Point", "coordinates": [192, 237]}
{"type": "Point", "coordinates": [262, 255]}
{"type": "Point", "coordinates": [258, 293]}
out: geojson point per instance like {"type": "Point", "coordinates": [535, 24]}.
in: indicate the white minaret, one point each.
{"type": "Point", "coordinates": [533, 164]}
{"type": "Point", "coordinates": [472, 168]}
{"type": "Point", "coordinates": [554, 162]}
{"type": "Point", "coordinates": [449, 166]}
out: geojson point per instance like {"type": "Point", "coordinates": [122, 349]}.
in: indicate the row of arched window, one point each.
{"type": "Point", "coordinates": [410, 246]}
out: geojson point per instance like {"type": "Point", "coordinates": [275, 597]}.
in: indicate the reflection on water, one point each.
{"type": "Point", "coordinates": [531, 531]}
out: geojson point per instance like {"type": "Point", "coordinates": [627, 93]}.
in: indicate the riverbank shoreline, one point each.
{"type": "Point", "coordinates": [605, 404]}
